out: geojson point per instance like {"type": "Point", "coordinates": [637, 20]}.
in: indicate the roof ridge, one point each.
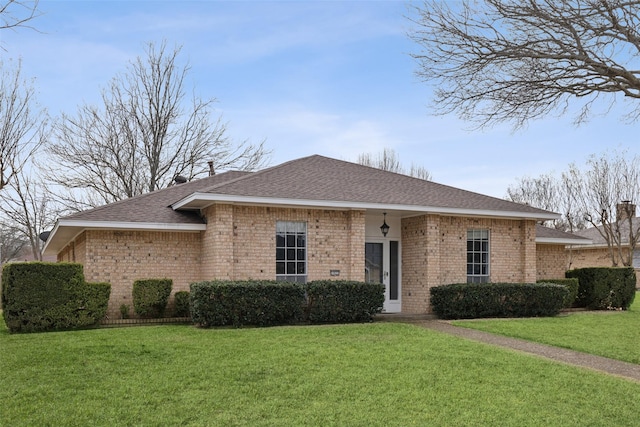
{"type": "Point", "coordinates": [255, 174]}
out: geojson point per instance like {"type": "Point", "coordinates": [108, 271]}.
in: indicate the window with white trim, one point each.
{"type": "Point", "coordinates": [291, 251]}
{"type": "Point", "coordinates": [477, 256]}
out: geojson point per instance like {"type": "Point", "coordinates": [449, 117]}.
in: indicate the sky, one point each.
{"type": "Point", "coordinates": [334, 78]}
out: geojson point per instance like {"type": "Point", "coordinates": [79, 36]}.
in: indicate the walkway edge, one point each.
{"type": "Point", "coordinates": [598, 363]}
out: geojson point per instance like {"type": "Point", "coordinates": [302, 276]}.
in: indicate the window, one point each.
{"type": "Point", "coordinates": [291, 251]}
{"type": "Point", "coordinates": [477, 256]}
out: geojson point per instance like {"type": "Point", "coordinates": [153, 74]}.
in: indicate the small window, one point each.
{"type": "Point", "coordinates": [291, 251]}
{"type": "Point", "coordinates": [477, 256]}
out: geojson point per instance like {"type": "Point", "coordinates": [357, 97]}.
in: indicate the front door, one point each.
{"type": "Point", "coordinates": [382, 266]}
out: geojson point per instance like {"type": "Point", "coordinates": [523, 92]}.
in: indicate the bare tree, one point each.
{"type": "Point", "coordinates": [144, 135]}
{"type": "Point", "coordinates": [592, 195]}
{"type": "Point", "coordinates": [28, 208]}
{"type": "Point", "coordinates": [608, 182]}
{"type": "Point", "coordinates": [21, 122]}
{"type": "Point", "coordinates": [388, 160]}
{"type": "Point", "coordinates": [11, 242]}
{"type": "Point", "coordinates": [552, 194]}
{"type": "Point", "coordinates": [15, 14]}
{"type": "Point", "coordinates": [512, 61]}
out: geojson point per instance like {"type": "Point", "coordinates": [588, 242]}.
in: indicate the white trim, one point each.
{"type": "Point", "coordinates": [129, 225]}
{"type": "Point", "coordinates": [116, 225]}
{"type": "Point", "coordinates": [563, 241]}
{"type": "Point", "coordinates": [212, 198]}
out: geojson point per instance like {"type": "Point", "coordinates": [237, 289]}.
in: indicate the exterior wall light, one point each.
{"type": "Point", "coordinates": [384, 227]}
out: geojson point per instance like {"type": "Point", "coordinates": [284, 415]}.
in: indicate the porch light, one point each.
{"type": "Point", "coordinates": [384, 227]}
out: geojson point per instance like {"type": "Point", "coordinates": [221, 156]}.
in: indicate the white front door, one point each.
{"type": "Point", "coordinates": [382, 265]}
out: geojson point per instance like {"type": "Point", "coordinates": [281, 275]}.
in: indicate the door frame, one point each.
{"type": "Point", "coordinates": [390, 306]}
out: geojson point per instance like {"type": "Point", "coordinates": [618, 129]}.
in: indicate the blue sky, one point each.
{"type": "Point", "coordinates": [330, 77]}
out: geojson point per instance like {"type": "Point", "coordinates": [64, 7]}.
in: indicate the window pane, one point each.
{"type": "Point", "coordinates": [301, 255]}
{"type": "Point", "coordinates": [291, 240]}
{"type": "Point", "coordinates": [301, 269]}
{"type": "Point", "coordinates": [279, 267]}
{"type": "Point", "coordinates": [279, 254]}
{"type": "Point", "coordinates": [291, 254]}
{"type": "Point", "coordinates": [280, 240]}
{"type": "Point", "coordinates": [291, 268]}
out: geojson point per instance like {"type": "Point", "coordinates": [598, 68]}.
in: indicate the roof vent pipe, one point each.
{"type": "Point", "coordinates": [211, 170]}
{"type": "Point", "coordinates": [179, 179]}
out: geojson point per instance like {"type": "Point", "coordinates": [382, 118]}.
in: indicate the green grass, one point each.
{"type": "Point", "coordinates": [613, 334]}
{"type": "Point", "coordinates": [379, 374]}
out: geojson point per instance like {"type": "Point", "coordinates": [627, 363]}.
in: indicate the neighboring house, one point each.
{"type": "Point", "coordinates": [598, 253]}
{"type": "Point", "coordinates": [309, 219]}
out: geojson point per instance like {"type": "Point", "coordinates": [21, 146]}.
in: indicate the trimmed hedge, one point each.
{"type": "Point", "coordinates": [150, 296]}
{"type": "Point", "coordinates": [571, 284]}
{"type": "Point", "coordinates": [605, 288]}
{"type": "Point", "coordinates": [261, 303]}
{"type": "Point", "coordinates": [343, 301]}
{"type": "Point", "coordinates": [266, 303]}
{"type": "Point", "coordinates": [182, 303]}
{"type": "Point", "coordinates": [43, 296]}
{"type": "Point", "coordinates": [469, 301]}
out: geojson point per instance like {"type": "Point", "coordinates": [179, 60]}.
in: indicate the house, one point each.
{"type": "Point", "coordinates": [598, 252]}
{"type": "Point", "coordinates": [308, 219]}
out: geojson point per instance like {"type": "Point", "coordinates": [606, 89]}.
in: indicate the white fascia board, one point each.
{"type": "Point", "coordinates": [49, 239]}
{"type": "Point", "coordinates": [126, 225]}
{"type": "Point", "coordinates": [555, 241]}
{"type": "Point", "coordinates": [209, 198]}
{"type": "Point", "coordinates": [70, 228]}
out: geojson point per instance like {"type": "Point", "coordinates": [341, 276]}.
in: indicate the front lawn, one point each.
{"type": "Point", "coordinates": [379, 374]}
{"type": "Point", "coordinates": [613, 334]}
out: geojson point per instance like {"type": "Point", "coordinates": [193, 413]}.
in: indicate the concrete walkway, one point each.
{"type": "Point", "coordinates": [602, 364]}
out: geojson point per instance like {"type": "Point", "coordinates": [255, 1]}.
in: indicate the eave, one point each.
{"type": "Point", "coordinates": [66, 230]}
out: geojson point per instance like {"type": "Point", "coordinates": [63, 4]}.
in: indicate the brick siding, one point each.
{"type": "Point", "coordinates": [434, 253]}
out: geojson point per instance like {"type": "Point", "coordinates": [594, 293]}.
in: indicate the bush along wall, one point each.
{"type": "Point", "coordinates": [266, 303]}
{"type": "Point", "coordinates": [603, 288]}
{"type": "Point", "coordinates": [181, 299]}
{"type": "Point", "coordinates": [572, 286]}
{"type": "Point", "coordinates": [342, 301]}
{"type": "Point", "coordinates": [469, 301]}
{"type": "Point", "coordinates": [41, 296]}
{"type": "Point", "coordinates": [258, 303]}
{"type": "Point", "coordinates": [150, 297]}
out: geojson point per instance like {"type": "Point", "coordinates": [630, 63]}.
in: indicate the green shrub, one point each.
{"type": "Point", "coordinates": [182, 304]}
{"type": "Point", "coordinates": [602, 288]}
{"type": "Point", "coordinates": [150, 296]}
{"type": "Point", "coordinates": [42, 296]}
{"type": "Point", "coordinates": [330, 301]}
{"type": "Point", "coordinates": [260, 303]}
{"type": "Point", "coordinates": [124, 311]}
{"type": "Point", "coordinates": [469, 301]}
{"type": "Point", "coordinates": [572, 286]}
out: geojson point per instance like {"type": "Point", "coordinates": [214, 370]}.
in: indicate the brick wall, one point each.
{"type": "Point", "coordinates": [121, 257]}
{"type": "Point", "coordinates": [434, 253]}
{"type": "Point", "coordinates": [551, 261]}
{"type": "Point", "coordinates": [240, 242]}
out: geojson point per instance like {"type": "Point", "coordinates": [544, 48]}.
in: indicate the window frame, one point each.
{"type": "Point", "coordinates": [478, 255]}
{"type": "Point", "coordinates": [291, 251]}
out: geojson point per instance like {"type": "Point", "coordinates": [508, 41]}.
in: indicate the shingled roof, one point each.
{"type": "Point", "coordinates": [558, 237]}
{"type": "Point", "coordinates": [314, 181]}
{"type": "Point", "coordinates": [344, 184]}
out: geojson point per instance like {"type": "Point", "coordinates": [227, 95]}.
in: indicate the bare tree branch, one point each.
{"type": "Point", "coordinates": [143, 136]}
{"type": "Point", "coordinates": [21, 122]}
{"type": "Point", "coordinates": [495, 61]}
{"type": "Point", "coordinates": [388, 160]}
